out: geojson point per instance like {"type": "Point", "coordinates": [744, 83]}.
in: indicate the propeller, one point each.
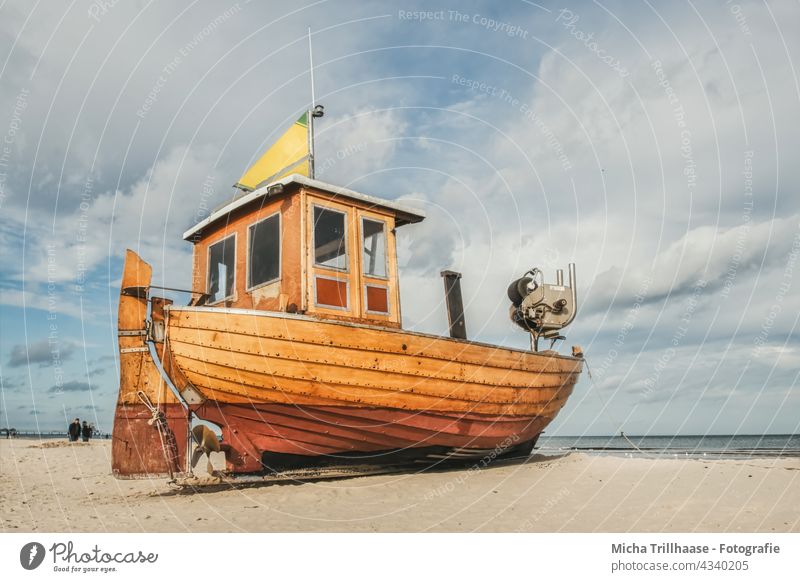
{"type": "Point", "coordinates": [207, 443]}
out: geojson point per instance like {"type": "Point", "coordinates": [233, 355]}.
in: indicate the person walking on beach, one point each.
{"type": "Point", "coordinates": [86, 432]}
{"type": "Point", "coordinates": [74, 430]}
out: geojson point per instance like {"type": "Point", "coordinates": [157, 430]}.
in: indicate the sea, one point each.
{"type": "Point", "coordinates": [742, 446]}
{"type": "Point", "coordinates": [661, 446]}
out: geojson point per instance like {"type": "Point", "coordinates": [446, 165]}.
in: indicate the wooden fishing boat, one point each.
{"type": "Point", "coordinates": [292, 345]}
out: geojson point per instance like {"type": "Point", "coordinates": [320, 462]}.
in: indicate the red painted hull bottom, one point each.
{"type": "Point", "coordinates": [262, 436]}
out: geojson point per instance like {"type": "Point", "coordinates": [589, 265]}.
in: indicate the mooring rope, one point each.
{"type": "Point", "coordinates": [606, 408]}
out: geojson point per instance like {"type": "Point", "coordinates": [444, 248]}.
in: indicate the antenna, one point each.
{"type": "Point", "coordinates": [311, 68]}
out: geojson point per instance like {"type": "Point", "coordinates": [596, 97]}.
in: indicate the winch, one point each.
{"type": "Point", "coordinates": [543, 309]}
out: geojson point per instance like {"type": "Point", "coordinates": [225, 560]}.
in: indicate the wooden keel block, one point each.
{"type": "Point", "coordinates": [137, 450]}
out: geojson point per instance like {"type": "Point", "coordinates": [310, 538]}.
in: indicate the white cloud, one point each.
{"type": "Point", "coordinates": [491, 175]}
{"type": "Point", "coordinates": [353, 145]}
{"type": "Point", "coordinates": [148, 217]}
{"type": "Point", "coordinates": [718, 256]}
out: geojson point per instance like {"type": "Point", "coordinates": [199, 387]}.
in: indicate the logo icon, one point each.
{"type": "Point", "coordinates": [31, 555]}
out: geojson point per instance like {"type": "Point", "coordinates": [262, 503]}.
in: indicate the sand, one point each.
{"type": "Point", "coordinates": [58, 487]}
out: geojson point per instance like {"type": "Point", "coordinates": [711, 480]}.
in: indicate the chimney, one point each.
{"type": "Point", "coordinates": [455, 304]}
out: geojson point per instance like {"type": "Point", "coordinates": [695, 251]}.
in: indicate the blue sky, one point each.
{"type": "Point", "coordinates": [653, 145]}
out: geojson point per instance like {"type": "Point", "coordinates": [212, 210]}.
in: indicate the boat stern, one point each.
{"type": "Point", "coordinates": [150, 424]}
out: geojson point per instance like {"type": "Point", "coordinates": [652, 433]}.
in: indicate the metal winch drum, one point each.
{"type": "Point", "coordinates": [540, 308]}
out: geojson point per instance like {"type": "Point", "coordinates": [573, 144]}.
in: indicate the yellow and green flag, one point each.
{"type": "Point", "coordinates": [288, 155]}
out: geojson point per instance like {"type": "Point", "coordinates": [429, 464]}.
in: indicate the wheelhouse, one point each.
{"type": "Point", "coordinates": [302, 246]}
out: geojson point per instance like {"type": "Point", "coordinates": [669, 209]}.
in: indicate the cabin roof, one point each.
{"type": "Point", "coordinates": [405, 214]}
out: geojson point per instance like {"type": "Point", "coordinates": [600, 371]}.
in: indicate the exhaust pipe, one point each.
{"type": "Point", "coordinates": [573, 288]}
{"type": "Point", "coordinates": [455, 304]}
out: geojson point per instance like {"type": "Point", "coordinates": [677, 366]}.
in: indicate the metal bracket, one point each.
{"type": "Point", "coordinates": [157, 331]}
{"type": "Point", "coordinates": [131, 332]}
{"type": "Point", "coordinates": [137, 291]}
{"type": "Point", "coordinates": [132, 350]}
{"type": "Point", "coordinates": [191, 395]}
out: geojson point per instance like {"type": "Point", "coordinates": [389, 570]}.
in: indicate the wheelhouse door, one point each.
{"type": "Point", "coordinates": [351, 266]}
{"type": "Point", "coordinates": [331, 264]}
{"type": "Point", "coordinates": [377, 275]}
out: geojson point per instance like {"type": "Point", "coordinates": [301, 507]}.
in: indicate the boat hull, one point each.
{"type": "Point", "coordinates": [273, 433]}
{"type": "Point", "coordinates": [279, 384]}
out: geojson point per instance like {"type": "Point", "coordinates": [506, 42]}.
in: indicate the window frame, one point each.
{"type": "Point", "coordinates": [316, 265]}
{"type": "Point", "coordinates": [232, 296]}
{"type": "Point", "coordinates": [247, 273]}
{"type": "Point", "coordinates": [385, 276]}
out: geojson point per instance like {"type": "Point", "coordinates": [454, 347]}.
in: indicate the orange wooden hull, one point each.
{"type": "Point", "coordinates": [282, 384]}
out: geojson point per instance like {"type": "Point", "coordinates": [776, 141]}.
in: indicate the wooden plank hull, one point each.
{"type": "Point", "coordinates": [295, 385]}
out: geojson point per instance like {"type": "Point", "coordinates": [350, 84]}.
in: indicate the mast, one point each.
{"type": "Point", "coordinates": [314, 111]}
{"type": "Point", "coordinates": [311, 111]}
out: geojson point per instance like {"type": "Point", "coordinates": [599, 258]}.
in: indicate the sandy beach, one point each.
{"type": "Point", "coordinates": [52, 486]}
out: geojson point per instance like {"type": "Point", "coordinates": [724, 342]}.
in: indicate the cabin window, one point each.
{"type": "Point", "coordinates": [330, 238]}
{"type": "Point", "coordinates": [222, 269]}
{"type": "Point", "coordinates": [374, 247]}
{"type": "Point", "coordinates": [264, 254]}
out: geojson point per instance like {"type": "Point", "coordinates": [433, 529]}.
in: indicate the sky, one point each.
{"type": "Point", "coordinates": [652, 144]}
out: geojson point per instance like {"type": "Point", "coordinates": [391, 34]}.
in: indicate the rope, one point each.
{"type": "Point", "coordinates": [606, 409]}
{"type": "Point", "coordinates": [170, 447]}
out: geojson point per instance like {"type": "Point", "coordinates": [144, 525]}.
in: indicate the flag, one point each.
{"type": "Point", "coordinates": [288, 155]}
